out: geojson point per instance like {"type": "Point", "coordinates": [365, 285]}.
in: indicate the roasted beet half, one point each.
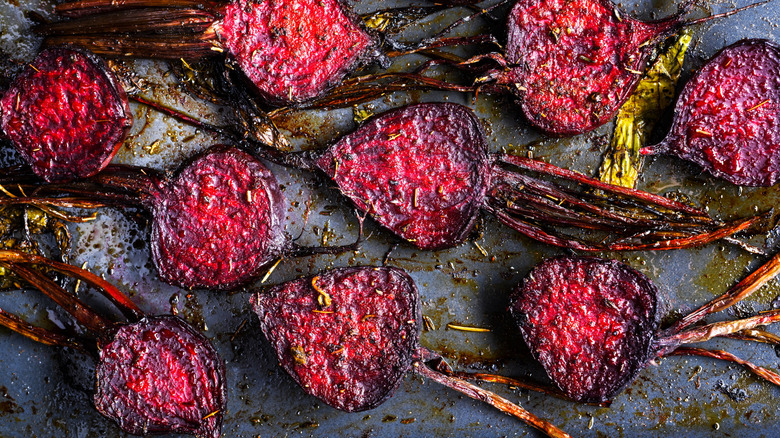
{"type": "Point", "coordinates": [349, 335]}
{"type": "Point", "coordinates": [592, 323]}
{"type": "Point", "coordinates": [66, 114]}
{"type": "Point", "coordinates": [215, 224]}
{"type": "Point", "coordinates": [423, 172]}
{"type": "Point", "coordinates": [153, 374]}
{"type": "Point", "coordinates": [291, 50]}
{"type": "Point", "coordinates": [726, 118]}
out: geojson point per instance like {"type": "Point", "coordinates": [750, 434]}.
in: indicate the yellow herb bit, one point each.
{"type": "Point", "coordinates": [9, 194]}
{"type": "Point", "coordinates": [367, 316]}
{"type": "Point", "coordinates": [466, 328]}
{"type": "Point", "coordinates": [481, 249]}
{"type": "Point", "coordinates": [33, 67]}
{"type": "Point", "coordinates": [637, 117]}
{"type": "Point", "coordinates": [631, 70]}
{"type": "Point", "coordinates": [379, 291]}
{"type": "Point", "coordinates": [379, 21]}
{"type": "Point", "coordinates": [323, 299]}
{"type": "Point", "coordinates": [428, 323]}
{"type": "Point", "coordinates": [360, 115]}
{"type": "Point", "coordinates": [249, 197]}
{"type": "Point", "coordinates": [270, 271]}
{"type": "Point", "coordinates": [324, 312]}
{"type": "Point", "coordinates": [394, 136]}
{"type": "Point", "coordinates": [211, 414]}
{"type": "Point", "coordinates": [186, 65]}
{"type": "Point", "coordinates": [152, 148]}
{"type": "Point", "coordinates": [415, 195]}
{"type": "Point", "coordinates": [759, 105]}
{"type": "Point", "coordinates": [703, 132]}
{"type": "Point", "coordinates": [78, 281]}
{"type": "Point", "coordinates": [299, 355]}
{"type": "Point", "coordinates": [340, 350]}
{"type": "Point", "coordinates": [216, 49]}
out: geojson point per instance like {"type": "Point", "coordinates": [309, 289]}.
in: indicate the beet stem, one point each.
{"type": "Point", "coordinates": [717, 329]}
{"type": "Point", "coordinates": [692, 241]}
{"type": "Point", "coordinates": [465, 19]}
{"type": "Point", "coordinates": [89, 7]}
{"type": "Point", "coordinates": [490, 398]}
{"type": "Point", "coordinates": [762, 372]}
{"type": "Point", "coordinates": [723, 15]}
{"type": "Point", "coordinates": [38, 334]}
{"type": "Point", "coordinates": [756, 335]}
{"type": "Point", "coordinates": [738, 292]}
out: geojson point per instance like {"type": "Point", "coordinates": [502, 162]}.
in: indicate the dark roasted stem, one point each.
{"type": "Point", "coordinates": [193, 47]}
{"type": "Point", "coordinates": [737, 293]}
{"type": "Point", "coordinates": [692, 241]}
{"type": "Point", "coordinates": [722, 15]}
{"type": "Point", "coordinates": [169, 21]}
{"type": "Point", "coordinates": [762, 372]}
{"type": "Point", "coordinates": [490, 398]}
{"type": "Point", "coordinates": [120, 300]}
{"type": "Point", "coordinates": [35, 333]}
{"type": "Point", "coordinates": [89, 7]}
{"type": "Point", "coordinates": [466, 19]}
{"type": "Point", "coordinates": [67, 202]}
{"type": "Point", "coordinates": [83, 314]}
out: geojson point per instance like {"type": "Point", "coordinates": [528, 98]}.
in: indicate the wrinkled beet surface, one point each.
{"type": "Point", "coordinates": [576, 61]}
{"type": "Point", "coordinates": [293, 50]}
{"type": "Point", "coordinates": [421, 171]}
{"type": "Point", "coordinates": [726, 119]}
{"type": "Point", "coordinates": [590, 322]}
{"type": "Point", "coordinates": [66, 114]}
{"type": "Point", "coordinates": [352, 353]}
{"type": "Point", "coordinates": [218, 222]}
{"type": "Point", "coordinates": [160, 376]}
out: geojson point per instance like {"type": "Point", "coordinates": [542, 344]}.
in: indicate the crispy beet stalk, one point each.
{"type": "Point", "coordinates": [159, 375]}
{"type": "Point", "coordinates": [589, 322]}
{"type": "Point", "coordinates": [592, 323]}
{"type": "Point", "coordinates": [66, 114]}
{"type": "Point", "coordinates": [726, 118]}
{"type": "Point", "coordinates": [154, 374]}
{"type": "Point", "coordinates": [346, 336]}
{"type": "Point", "coordinates": [420, 171]}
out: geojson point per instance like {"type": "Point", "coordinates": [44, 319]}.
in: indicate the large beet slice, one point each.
{"type": "Point", "coordinates": [218, 222]}
{"type": "Point", "coordinates": [346, 336]}
{"type": "Point", "coordinates": [590, 322]}
{"type": "Point", "coordinates": [66, 114]}
{"type": "Point", "coordinates": [293, 50]}
{"type": "Point", "coordinates": [726, 118]}
{"type": "Point", "coordinates": [576, 62]}
{"type": "Point", "coordinates": [158, 375]}
{"type": "Point", "coordinates": [421, 171]}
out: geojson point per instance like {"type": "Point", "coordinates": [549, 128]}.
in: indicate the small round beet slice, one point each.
{"type": "Point", "coordinates": [66, 114]}
{"type": "Point", "coordinates": [293, 50]}
{"type": "Point", "coordinates": [726, 118]}
{"type": "Point", "coordinates": [346, 336]}
{"type": "Point", "coordinates": [218, 222]}
{"type": "Point", "coordinates": [421, 171]}
{"type": "Point", "coordinates": [158, 375]}
{"type": "Point", "coordinates": [590, 323]}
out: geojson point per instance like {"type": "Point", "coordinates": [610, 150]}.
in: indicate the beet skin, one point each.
{"type": "Point", "coordinates": [590, 323]}
{"type": "Point", "coordinates": [347, 335]}
{"type": "Point", "coordinates": [66, 114]}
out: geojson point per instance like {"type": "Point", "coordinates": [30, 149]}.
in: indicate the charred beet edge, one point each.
{"type": "Point", "coordinates": [66, 114]}
{"type": "Point", "coordinates": [593, 324]}
{"type": "Point", "coordinates": [349, 335]}
{"type": "Point", "coordinates": [291, 50]}
{"type": "Point", "coordinates": [216, 224]}
{"type": "Point", "coordinates": [154, 374]}
{"type": "Point", "coordinates": [726, 118]}
{"type": "Point", "coordinates": [423, 172]}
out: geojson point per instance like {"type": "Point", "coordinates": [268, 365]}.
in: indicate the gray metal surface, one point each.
{"type": "Point", "coordinates": [686, 397]}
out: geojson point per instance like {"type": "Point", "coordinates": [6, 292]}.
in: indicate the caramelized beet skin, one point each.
{"type": "Point", "coordinates": [353, 352]}
{"type": "Point", "coordinates": [66, 114]}
{"type": "Point", "coordinates": [160, 376]}
{"type": "Point", "coordinates": [421, 171]}
{"type": "Point", "coordinates": [590, 322]}
{"type": "Point", "coordinates": [727, 116]}
{"type": "Point", "coordinates": [293, 50]}
{"type": "Point", "coordinates": [218, 222]}
{"type": "Point", "coordinates": [576, 61]}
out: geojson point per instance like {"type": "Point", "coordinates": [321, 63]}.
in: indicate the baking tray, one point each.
{"type": "Point", "coordinates": [42, 395]}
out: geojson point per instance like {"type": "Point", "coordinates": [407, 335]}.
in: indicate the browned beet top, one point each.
{"type": "Point", "coordinates": [346, 336]}
{"type": "Point", "coordinates": [590, 322]}
{"type": "Point", "coordinates": [727, 115]}
{"type": "Point", "coordinates": [66, 114]}
{"type": "Point", "coordinates": [421, 171]}
{"type": "Point", "coordinates": [293, 50]}
{"type": "Point", "coordinates": [160, 376]}
{"type": "Point", "coordinates": [218, 222]}
{"type": "Point", "coordinates": [577, 61]}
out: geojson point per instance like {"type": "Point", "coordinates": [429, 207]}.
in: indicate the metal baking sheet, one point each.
{"type": "Point", "coordinates": [42, 396]}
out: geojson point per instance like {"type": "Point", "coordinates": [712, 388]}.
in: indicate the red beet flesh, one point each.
{"type": "Point", "coordinates": [160, 376]}
{"type": "Point", "coordinates": [576, 61]}
{"type": "Point", "coordinates": [726, 119]}
{"type": "Point", "coordinates": [353, 352]}
{"type": "Point", "coordinates": [421, 171]}
{"type": "Point", "coordinates": [218, 222]}
{"type": "Point", "coordinates": [293, 50]}
{"type": "Point", "coordinates": [590, 323]}
{"type": "Point", "coordinates": [66, 114]}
